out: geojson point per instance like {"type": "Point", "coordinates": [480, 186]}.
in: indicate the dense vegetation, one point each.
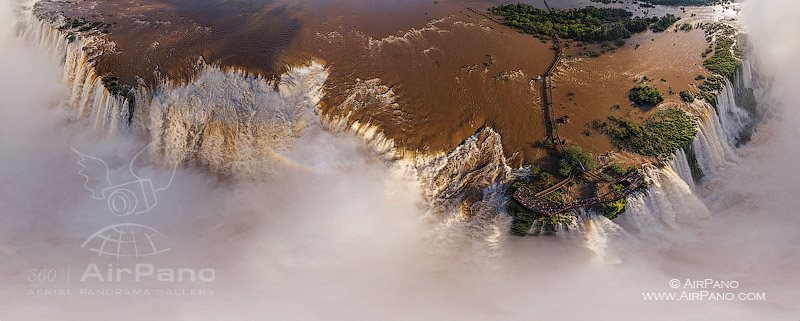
{"type": "Point", "coordinates": [723, 62]}
{"type": "Point", "coordinates": [610, 210]}
{"type": "Point", "coordinates": [659, 135]}
{"type": "Point", "coordinates": [709, 88]}
{"type": "Point", "coordinates": [83, 25]}
{"type": "Point", "coordinates": [588, 24]}
{"type": "Point", "coordinates": [574, 156]}
{"type": "Point", "coordinates": [664, 22]}
{"type": "Point", "coordinates": [537, 180]}
{"type": "Point", "coordinates": [614, 209]}
{"type": "Point", "coordinates": [645, 95]}
{"type": "Point", "coordinates": [615, 171]}
{"type": "Point", "coordinates": [115, 88]}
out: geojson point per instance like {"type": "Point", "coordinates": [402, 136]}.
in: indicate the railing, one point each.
{"type": "Point", "coordinates": [537, 203]}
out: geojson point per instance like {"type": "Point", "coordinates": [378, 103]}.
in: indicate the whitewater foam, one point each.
{"type": "Point", "coordinates": [234, 124]}
{"type": "Point", "coordinates": [668, 204]}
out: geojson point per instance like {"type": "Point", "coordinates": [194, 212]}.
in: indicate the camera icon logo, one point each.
{"type": "Point", "coordinates": [137, 196]}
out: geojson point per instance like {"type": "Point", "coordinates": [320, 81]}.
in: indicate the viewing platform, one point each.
{"type": "Point", "coordinates": [538, 203]}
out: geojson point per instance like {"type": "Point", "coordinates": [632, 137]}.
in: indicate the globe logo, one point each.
{"type": "Point", "coordinates": [125, 240]}
{"type": "Point", "coordinates": [134, 197]}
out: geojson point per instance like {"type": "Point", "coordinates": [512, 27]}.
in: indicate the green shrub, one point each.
{"type": "Point", "coordinates": [611, 210]}
{"type": "Point", "coordinates": [645, 95]}
{"type": "Point", "coordinates": [687, 96]}
{"type": "Point", "coordinates": [564, 168]}
{"type": "Point", "coordinates": [615, 170]}
{"type": "Point", "coordinates": [524, 218]}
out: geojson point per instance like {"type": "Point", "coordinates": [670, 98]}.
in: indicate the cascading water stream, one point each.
{"type": "Point", "coordinates": [732, 118]}
{"type": "Point", "coordinates": [712, 147]}
{"type": "Point", "coordinates": [88, 96]}
{"type": "Point", "coordinates": [680, 164]}
{"type": "Point", "coordinates": [669, 203]}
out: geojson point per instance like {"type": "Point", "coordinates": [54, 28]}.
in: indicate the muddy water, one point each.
{"type": "Point", "coordinates": [668, 59]}
{"type": "Point", "coordinates": [449, 78]}
{"type": "Point", "coordinates": [429, 74]}
{"type": "Point", "coordinates": [169, 36]}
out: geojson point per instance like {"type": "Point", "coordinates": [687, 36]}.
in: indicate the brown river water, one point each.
{"type": "Point", "coordinates": [428, 74]}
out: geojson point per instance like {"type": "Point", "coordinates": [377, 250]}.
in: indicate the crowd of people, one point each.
{"type": "Point", "coordinates": [539, 204]}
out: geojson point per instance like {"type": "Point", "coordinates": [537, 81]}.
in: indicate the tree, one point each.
{"type": "Point", "coordinates": [574, 156]}
{"type": "Point", "coordinates": [664, 22]}
{"type": "Point", "coordinates": [564, 168]}
{"type": "Point", "coordinates": [615, 170]}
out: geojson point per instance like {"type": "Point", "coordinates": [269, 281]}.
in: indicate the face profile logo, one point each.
{"type": "Point", "coordinates": [132, 197]}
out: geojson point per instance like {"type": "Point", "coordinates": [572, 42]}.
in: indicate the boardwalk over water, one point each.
{"type": "Point", "coordinates": [547, 94]}
{"type": "Point", "coordinates": [547, 84]}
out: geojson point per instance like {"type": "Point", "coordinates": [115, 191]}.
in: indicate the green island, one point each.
{"type": "Point", "coordinates": [645, 96]}
{"type": "Point", "coordinates": [588, 24]}
{"type": "Point", "coordinates": [728, 52]}
{"type": "Point", "coordinates": [664, 22]}
{"type": "Point", "coordinates": [660, 135]}
{"type": "Point", "coordinates": [687, 96]}
{"type": "Point", "coordinates": [83, 25]}
{"type": "Point", "coordinates": [723, 62]}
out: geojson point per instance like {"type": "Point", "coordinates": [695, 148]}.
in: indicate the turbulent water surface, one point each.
{"type": "Point", "coordinates": [304, 217]}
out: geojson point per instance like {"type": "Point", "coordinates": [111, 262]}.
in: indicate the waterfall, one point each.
{"type": "Point", "coordinates": [593, 232]}
{"type": "Point", "coordinates": [680, 164]}
{"type": "Point", "coordinates": [241, 125]}
{"type": "Point", "coordinates": [88, 97]}
{"type": "Point", "coordinates": [712, 149]}
{"type": "Point", "coordinates": [668, 204]}
{"type": "Point", "coordinates": [744, 74]}
{"type": "Point", "coordinates": [231, 123]}
{"type": "Point", "coordinates": [722, 128]}
{"type": "Point", "coordinates": [465, 193]}
{"type": "Point", "coordinates": [732, 118]}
